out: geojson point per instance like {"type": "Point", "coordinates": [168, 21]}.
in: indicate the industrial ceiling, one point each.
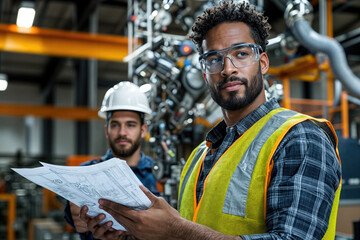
{"type": "Point", "coordinates": [110, 17]}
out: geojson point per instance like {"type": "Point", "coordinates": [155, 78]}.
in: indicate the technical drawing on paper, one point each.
{"type": "Point", "coordinates": [85, 185]}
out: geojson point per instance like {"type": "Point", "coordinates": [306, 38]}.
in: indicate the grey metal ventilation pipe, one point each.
{"type": "Point", "coordinates": [296, 16]}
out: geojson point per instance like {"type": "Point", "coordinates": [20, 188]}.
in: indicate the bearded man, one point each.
{"type": "Point", "coordinates": [124, 107]}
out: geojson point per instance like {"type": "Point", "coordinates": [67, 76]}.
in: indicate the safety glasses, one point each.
{"type": "Point", "coordinates": [240, 55]}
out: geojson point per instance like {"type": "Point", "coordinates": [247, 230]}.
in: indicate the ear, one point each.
{"type": "Point", "coordinates": [144, 129]}
{"type": "Point", "coordinates": [106, 131]}
{"type": "Point", "coordinates": [264, 63]}
{"type": "Point", "coordinates": [204, 75]}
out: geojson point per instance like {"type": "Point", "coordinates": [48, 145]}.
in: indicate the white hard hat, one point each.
{"type": "Point", "coordinates": [124, 96]}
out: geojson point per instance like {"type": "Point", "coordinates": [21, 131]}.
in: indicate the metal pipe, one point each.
{"type": "Point", "coordinates": [295, 16]}
{"type": "Point", "coordinates": [130, 30]}
{"type": "Point", "coordinates": [322, 17]}
{"type": "Point", "coordinates": [353, 100]}
{"type": "Point", "coordinates": [149, 22]}
{"type": "Point", "coordinates": [274, 43]}
{"type": "Point", "coordinates": [93, 62]}
{"type": "Point", "coordinates": [337, 92]}
{"type": "Point", "coordinates": [260, 5]}
{"type": "Point", "coordinates": [323, 74]}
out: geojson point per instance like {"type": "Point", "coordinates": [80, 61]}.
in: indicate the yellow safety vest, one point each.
{"type": "Point", "coordinates": [233, 200]}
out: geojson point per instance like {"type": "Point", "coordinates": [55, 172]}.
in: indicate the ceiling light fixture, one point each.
{"type": "Point", "coordinates": [26, 14]}
{"type": "Point", "coordinates": [3, 82]}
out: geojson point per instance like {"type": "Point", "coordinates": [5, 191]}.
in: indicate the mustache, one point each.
{"type": "Point", "coordinates": [122, 138]}
{"type": "Point", "coordinates": [232, 79]}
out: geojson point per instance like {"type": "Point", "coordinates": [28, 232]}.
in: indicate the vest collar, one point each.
{"type": "Point", "coordinates": [217, 134]}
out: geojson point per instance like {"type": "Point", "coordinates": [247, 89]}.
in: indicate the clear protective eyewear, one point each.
{"type": "Point", "coordinates": [240, 55]}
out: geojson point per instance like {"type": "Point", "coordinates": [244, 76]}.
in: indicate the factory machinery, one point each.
{"type": "Point", "coordinates": [167, 69]}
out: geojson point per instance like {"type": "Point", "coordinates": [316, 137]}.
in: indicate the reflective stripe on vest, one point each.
{"type": "Point", "coordinates": [233, 199]}
{"type": "Point", "coordinates": [199, 153]}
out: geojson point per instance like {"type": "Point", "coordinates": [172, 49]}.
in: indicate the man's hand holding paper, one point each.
{"type": "Point", "coordinates": [85, 185]}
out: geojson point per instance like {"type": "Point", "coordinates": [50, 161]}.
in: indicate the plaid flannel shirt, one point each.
{"type": "Point", "coordinates": [304, 178]}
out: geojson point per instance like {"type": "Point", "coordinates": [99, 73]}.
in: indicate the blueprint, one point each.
{"type": "Point", "coordinates": [85, 185]}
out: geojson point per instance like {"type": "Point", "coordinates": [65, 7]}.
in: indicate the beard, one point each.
{"type": "Point", "coordinates": [122, 152]}
{"type": "Point", "coordinates": [235, 102]}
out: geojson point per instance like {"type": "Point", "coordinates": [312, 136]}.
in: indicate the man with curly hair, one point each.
{"type": "Point", "coordinates": [264, 172]}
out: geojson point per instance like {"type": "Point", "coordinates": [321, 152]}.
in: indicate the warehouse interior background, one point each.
{"type": "Point", "coordinates": [58, 70]}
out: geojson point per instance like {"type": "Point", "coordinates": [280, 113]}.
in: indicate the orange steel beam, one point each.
{"type": "Point", "coordinates": [76, 160]}
{"type": "Point", "coordinates": [286, 98]}
{"type": "Point", "coordinates": [331, 90]}
{"type": "Point", "coordinates": [344, 115]}
{"type": "Point", "coordinates": [62, 43]}
{"type": "Point", "coordinates": [329, 16]}
{"type": "Point", "coordinates": [11, 214]}
{"type": "Point", "coordinates": [202, 121]}
{"type": "Point", "coordinates": [331, 80]}
{"type": "Point", "coordinates": [316, 102]}
{"type": "Point", "coordinates": [67, 113]}
{"type": "Point", "coordinates": [312, 102]}
{"type": "Point", "coordinates": [49, 201]}
{"type": "Point", "coordinates": [297, 67]}
{"type": "Point", "coordinates": [311, 76]}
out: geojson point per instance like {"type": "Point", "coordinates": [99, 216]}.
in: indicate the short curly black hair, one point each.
{"type": "Point", "coordinates": [228, 12]}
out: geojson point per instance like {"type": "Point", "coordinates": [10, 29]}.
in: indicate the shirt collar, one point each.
{"type": "Point", "coordinates": [217, 134]}
{"type": "Point", "coordinates": [145, 161]}
{"type": "Point", "coordinates": [108, 155]}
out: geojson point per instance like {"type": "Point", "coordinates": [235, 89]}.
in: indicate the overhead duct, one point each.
{"type": "Point", "coordinates": [296, 14]}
